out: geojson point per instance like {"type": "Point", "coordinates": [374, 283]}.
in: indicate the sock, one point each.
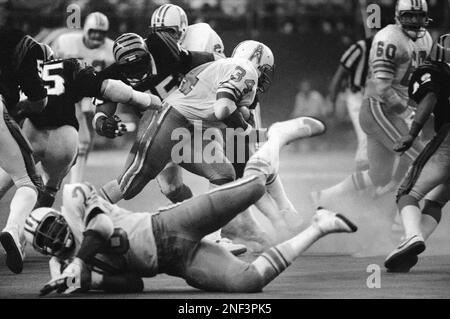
{"type": "Point", "coordinates": [278, 194]}
{"type": "Point", "coordinates": [46, 197]}
{"type": "Point", "coordinates": [431, 216]}
{"type": "Point", "coordinates": [20, 208]}
{"type": "Point", "coordinates": [273, 262]}
{"type": "Point", "coordinates": [355, 182]}
{"type": "Point", "coordinates": [411, 215]}
{"type": "Point", "coordinates": [111, 192]}
{"type": "Point", "coordinates": [77, 171]}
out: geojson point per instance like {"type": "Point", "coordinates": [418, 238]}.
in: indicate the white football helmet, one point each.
{"type": "Point", "coordinates": [262, 58]}
{"type": "Point", "coordinates": [412, 16]}
{"type": "Point", "coordinates": [95, 28]}
{"type": "Point", "coordinates": [172, 18]}
{"type": "Point", "coordinates": [48, 232]}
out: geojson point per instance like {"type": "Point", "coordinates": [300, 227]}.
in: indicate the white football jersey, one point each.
{"type": "Point", "coordinates": [233, 78]}
{"type": "Point", "coordinates": [201, 37]}
{"type": "Point", "coordinates": [395, 56]}
{"type": "Point", "coordinates": [141, 257]}
{"type": "Point", "coordinates": [70, 45]}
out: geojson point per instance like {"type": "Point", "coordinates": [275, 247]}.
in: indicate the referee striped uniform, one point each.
{"type": "Point", "coordinates": [356, 61]}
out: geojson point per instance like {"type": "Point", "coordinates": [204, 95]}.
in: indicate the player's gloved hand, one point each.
{"type": "Point", "coordinates": [75, 277]}
{"type": "Point", "coordinates": [109, 126]}
{"type": "Point", "coordinates": [404, 143]}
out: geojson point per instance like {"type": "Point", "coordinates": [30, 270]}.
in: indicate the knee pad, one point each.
{"type": "Point", "coordinates": [433, 209]}
{"type": "Point", "coordinates": [407, 200]}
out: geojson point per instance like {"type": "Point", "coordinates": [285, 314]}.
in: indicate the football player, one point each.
{"type": "Point", "coordinates": [19, 58]}
{"type": "Point", "coordinates": [197, 37]}
{"type": "Point", "coordinates": [53, 131]}
{"type": "Point", "coordinates": [95, 48]}
{"type": "Point", "coordinates": [397, 50]}
{"type": "Point", "coordinates": [99, 246]}
{"type": "Point", "coordinates": [429, 175]}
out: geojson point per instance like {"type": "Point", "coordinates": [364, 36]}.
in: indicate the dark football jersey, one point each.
{"type": "Point", "coordinates": [19, 54]}
{"type": "Point", "coordinates": [66, 82]}
{"type": "Point", "coordinates": [433, 77]}
{"type": "Point", "coordinates": [171, 62]}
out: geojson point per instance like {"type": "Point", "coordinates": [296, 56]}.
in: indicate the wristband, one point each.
{"type": "Point", "coordinates": [96, 117]}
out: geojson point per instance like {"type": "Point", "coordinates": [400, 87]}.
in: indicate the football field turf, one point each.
{"type": "Point", "coordinates": [339, 266]}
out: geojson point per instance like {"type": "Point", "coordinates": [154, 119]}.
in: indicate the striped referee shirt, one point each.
{"type": "Point", "coordinates": [356, 61]}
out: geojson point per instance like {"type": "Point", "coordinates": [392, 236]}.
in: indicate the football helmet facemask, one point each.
{"type": "Point", "coordinates": [412, 16]}
{"type": "Point", "coordinates": [48, 232]}
{"type": "Point", "coordinates": [95, 28]}
{"type": "Point", "coordinates": [172, 19]}
{"type": "Point", "coordinates": [262, 59]}
{"type": "Point", "coordinates": [132, 54]}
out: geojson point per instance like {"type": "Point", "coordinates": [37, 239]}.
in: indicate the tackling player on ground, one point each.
{"type": "Point", "coordinates": [429, 175]}
{"type": "Point", "coordinates": [98, 246]}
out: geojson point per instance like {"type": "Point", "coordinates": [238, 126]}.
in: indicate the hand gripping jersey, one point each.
{"type": "Point", "coordinates": [132, 246]}
{"type": "Point", "coordinates": [19, 54]}
{"type": "Point", "coordinates": [394, 56]}
{"type": "Point", "coordinates": [433, 77]}
{"type": "Point", "coordinates": [70, 45]}
{"type": "Point", "coordinates": [171, 63]}
{"type": "Point", "coordinates": [233, 78]}
{"type": "Point", "coordinates": [201, 37]}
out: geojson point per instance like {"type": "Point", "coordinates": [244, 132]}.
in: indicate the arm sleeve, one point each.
{"type": "Point", "coordinates": [239, 85]}
{"type": "Point", "coordinates": [29, 78]}
{"type": "Point", "coordinates": [351, 57]}
{"type": "Point", "coordinates": [424, 81]}
{"type": "Point", "coordinates": [385, 56]}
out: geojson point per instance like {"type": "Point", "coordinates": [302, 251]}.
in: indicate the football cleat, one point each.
{"type": "Point", "coordinates": [235, 249]}
{"type": "Point", "coordinates": [14, 251]}
{"type": "Point", "coordinates": [330, 222]}
{"type": "Point", "coordinates": [404, 257]}
{"type": "Point", "coordinates": [301, 127]}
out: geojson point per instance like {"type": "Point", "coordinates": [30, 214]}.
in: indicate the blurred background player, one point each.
{"type": "Point", "coordinates": [397, 50]}
{"type": "Point", "coordinates": [95, 48]}
{"type": "Point", "coordinates": [353, 69]}
{"type": "Point", "coordinates": [19, 59]}
{"type": "Point", "coordinates": [429, 175]}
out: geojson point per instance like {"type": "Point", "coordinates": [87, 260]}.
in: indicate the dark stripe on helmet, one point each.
{"type": "Point", "coordinates": [129, 52]}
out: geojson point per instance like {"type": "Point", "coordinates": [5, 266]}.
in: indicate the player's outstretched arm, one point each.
{"type": "Point", "coordinates": [423, 112]}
